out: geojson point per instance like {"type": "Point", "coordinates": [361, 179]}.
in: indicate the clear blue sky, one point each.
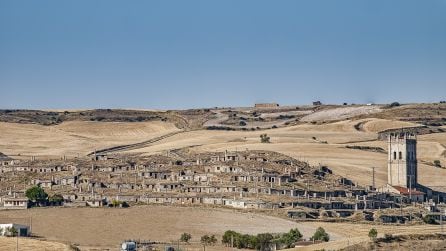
{"type": "Point", "coordinates": [185, 54]}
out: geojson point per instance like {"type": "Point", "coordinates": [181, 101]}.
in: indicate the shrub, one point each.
{"type": "Point", "coordinates": [437, 163]}
{"type": "Point", "coordinates": [185, 237]}
{"type": "Point", "coordinates": [56, 199]}
{"type": "Point", "coordinates": [208, 240]}
{"type": "Point", "coordinates": [264, 241]}
{"type": "Point", "coordinates": [116, 203]}
{"type": "Point", "coordinates": [264, 138]}
{"type": "Point", "coordinates": [320, 235]}
{"type": "Point", "coordinates": [290, 238]}
{"type": "Point", "coordinates": [36, 194]}
{"type": "Point", "coordinates": [11, 231]}
{"type": "Point", "coordinates": [394, 104]}
{"type": "Point", "coordinates": [261, 241]}
{"type": "Point", "coordinates": [242, 123]}
{"type": "Point", "coordinates": [373, 233]}
{"type": "Point", "coordinates": [428, 219]}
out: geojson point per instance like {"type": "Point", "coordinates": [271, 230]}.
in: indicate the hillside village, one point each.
{"type": "Point", "coordinates": [243, 180]}
{"type": "Point", "coordinates": [247, 180]}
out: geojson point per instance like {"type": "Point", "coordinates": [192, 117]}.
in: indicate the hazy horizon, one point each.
{"type": "Point", "coordinates": [202, 54]}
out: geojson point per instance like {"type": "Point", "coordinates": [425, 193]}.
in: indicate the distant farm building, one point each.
{"type": "Point", "coordinates": [99, 157]}
{"type": "Point", "coordinates": [14, 203]}
{"type": "Point", "coordinates": [315, 103]}
{"type": "Point", "coordinates": [22, 230]}
{"type": "Point", "coordinates": [266, 105]}
{"type": "Point", "coordinates": [5, 160]}
{"type": "Point", "coordinates": [414, 194]}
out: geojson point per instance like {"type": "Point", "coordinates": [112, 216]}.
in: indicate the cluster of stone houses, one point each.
{"type": "Point", "coordinates": [244, 180]}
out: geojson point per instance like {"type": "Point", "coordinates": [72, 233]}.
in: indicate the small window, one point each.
{"type": "Point", "coordinates": [394, 155]}
{"type": "Point", "coordinates": [401, 155]}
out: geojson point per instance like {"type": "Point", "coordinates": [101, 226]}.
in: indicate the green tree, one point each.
{"type": "Point", "coordinates": [11, 231]}
{"type": "Point", "coordinates": [212, 240]}
{"type": "Point", "coordinates": [264, 241]}
{"type": "Point", "coordinates": [291, 237]}
{"type": "Point", "coordinates": [56, 199]}
{"type": "Point", "coordinates": [227, 236]}
{"type": "Point", "coordinates": [251, 241]}
{"type": "Point", "coordinates": [320, 235]}
{"type": "Point", "coordinates": [373, 233]}
{"type": "Point", "coordinates": [204, 239]}
{"type": "Point", "coordinates": [185, 237]}
{"type": "Point", "coordinates": [208, 240]}
{"type": "Point", "coordinates": [36, 194]}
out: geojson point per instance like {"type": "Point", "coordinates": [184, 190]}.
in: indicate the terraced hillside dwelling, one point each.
{"type": "Point", "coordinates": [321, 164]}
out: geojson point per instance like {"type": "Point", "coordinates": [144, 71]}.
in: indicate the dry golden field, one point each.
{"type": "Point", "coordinates": [107, 227]}
{"type": "Point", "coordinates": [77, 138]}
{"type": "Point", "coordinates": [28, 244]}
{"type": "Point", "coordinates": [358, 233]}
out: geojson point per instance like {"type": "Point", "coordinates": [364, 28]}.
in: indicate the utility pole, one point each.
{"type": "Point", "coordinates": [373, 178]}
{"type": "Point", "coordinates": [441, 220]}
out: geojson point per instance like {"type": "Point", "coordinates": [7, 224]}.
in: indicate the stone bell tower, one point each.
{"type": "Point", "coordinates": [402, 160]}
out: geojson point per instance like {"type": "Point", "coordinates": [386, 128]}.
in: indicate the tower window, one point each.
{"type": "Point", "coordinates": [394, 155]}
{"type": "Point", "coordinates": [401, 155]}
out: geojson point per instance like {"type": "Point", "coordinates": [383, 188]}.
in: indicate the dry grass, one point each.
{"type": "Point", "coordinates": [377, 125]}
{"type": "Point", "coordinates": [28, 244]}
{"type": "Point", "coordinates": [107, 227]}
{"type": "Point", "coordinates": [357, 233]}
{"type": "Point", "coordinates": [75, 138]}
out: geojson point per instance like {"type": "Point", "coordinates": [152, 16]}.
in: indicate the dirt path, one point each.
{"type": "Point", "coordinates": [135, 145]}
